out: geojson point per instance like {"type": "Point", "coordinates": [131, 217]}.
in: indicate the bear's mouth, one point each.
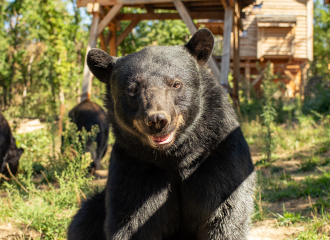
{"type": "Point", "coordinates": [162, 139]}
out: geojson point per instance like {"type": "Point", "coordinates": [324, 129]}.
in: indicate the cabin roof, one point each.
{"type": "Point", "coordinates": [199, 8]}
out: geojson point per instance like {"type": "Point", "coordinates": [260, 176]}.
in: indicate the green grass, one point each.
{"type": "Point", "coordinates": [56, 182]}
{"type": "Point", "coordinates": [306, 144]}
{"type": "Point", "coordinates": [288, 218]}
{"type": "Point", "coordinates": [47, 205]}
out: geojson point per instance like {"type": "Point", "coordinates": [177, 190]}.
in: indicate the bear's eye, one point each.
{"type": "Point", "coordinates": [176, 85]}
{"type": "Point", "coordinates": [133, 90]}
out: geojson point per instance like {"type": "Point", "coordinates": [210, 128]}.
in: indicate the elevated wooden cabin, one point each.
{"type": "Point", "coordinates": [276, 31]}
{"type": "Point", "coordinates": [106, 13]}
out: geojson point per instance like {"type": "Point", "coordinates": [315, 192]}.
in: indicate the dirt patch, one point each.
{"type": "Point", "coordinates": [10, 231]}
{"type": "Point", "coordinates": [268, 230]}
{"type": "Point", "coordinates": [28, 125]}
{"type": "Point", "coordinates": [294, 205]}
{"type": "Point", "coordinates": [291, 165]}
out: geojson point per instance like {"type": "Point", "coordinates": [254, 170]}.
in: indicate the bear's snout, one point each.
{"type": "Point", "coordinates": [157, 122]}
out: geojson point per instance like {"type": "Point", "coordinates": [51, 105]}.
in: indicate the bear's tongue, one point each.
{"type": "Point", "coordinates": [162, 139]}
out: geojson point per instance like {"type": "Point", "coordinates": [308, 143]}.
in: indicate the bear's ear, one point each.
{"type": "Point", "coordinates": [101, 64]}
{"type": "Point", "coordinates": [201, 45]}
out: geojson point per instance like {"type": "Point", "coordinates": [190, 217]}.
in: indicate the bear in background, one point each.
{"type": "Point", "coordinates": [9, 153]}
{"type": "Point", "coordinates": [85, 115]}
{"type": "Point", "coordinates": [180, 168]}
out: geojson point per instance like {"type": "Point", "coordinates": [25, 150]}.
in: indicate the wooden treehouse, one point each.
{"type": "Point", "coordinates": [276, 31]}
{"type": "Point", "coordinates": [106, 14]}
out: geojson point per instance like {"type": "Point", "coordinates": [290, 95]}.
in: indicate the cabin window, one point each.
{"type": "Point", "coordinates": [276, 36]}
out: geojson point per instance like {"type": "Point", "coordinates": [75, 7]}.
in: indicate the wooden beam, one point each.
{"type": "Point", "coordinates": [87, 75]}
{"type": "Point", "coordinates": [184, 14]}
{"type": "Point", "coordinates": [108, 18]}
{"type": "Point", "coordinates": [128, 29]}
{"type": "Point", "coordinates": [112, 43]}
{"type": "Point", "coordinates": [255, 81]}
{"type": "Point", "coordinates": [163, 16]}
{"type": "Point", "coordinates": [232, 3]}
{"type": "Point", "coordinates": [290, 75]}
{"type": "Point", "coordinates": [193, 29]}
{"type": "Point", "coordinates": [90, 7]}
{"type": "Point", "coordinates": [224, 4]}
{"type": "Point", "coordinates": [83, 3]}
{"type": "Point", "coordinates": [102, 41]}
{"type": "Point", "coordinates": [149, 8]}
{"type": "Point", "coordinates": [260, 34]}
{"type": "Point", "coordinates": [238, 15]}
{"type": "Point", "coordinates": [225, 59]}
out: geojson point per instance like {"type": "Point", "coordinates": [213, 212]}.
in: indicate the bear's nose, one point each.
{"type": "Point", "coordinates": [157, 122]}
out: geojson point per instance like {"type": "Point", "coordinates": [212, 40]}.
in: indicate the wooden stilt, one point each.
{"type": "Point", "coordinates": [112, 44]}
{"type": "Point", "coordinates": [247, 78]}
{"type": "Point", "coordinates": [225, 58]}
{"type": "Point", "coordinates": [236, 59]}
{"type": "Point", "coordinates": [304, 77]}
{"type": "Point", "coordinates": [184, 14]}
{"type": "Point", "coordinates": [102, 41]}
{"type": "Point", "coordinates": [87, 75]}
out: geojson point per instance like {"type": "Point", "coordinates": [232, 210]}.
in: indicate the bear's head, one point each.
{"type": "Point", "coordinates": [154, 95]}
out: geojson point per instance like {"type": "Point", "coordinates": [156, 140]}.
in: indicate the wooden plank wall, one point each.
{"type": "Point", "coordinates": [273, 8]}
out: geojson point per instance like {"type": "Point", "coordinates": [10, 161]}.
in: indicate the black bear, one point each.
{"type": "Point", "coordinates": [180, 168]}
{"type": "Point", "coordinates": [9, 153]}
{"type": "Point", "coordinates": [85, 115]}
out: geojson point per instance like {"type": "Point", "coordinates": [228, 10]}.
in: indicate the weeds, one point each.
{"type": "Point", "coordinates": [47, 206]}
{"type": "Point", "coordinates": [268, 110]}
{"type": "Point", "coordinates": [288, 218]}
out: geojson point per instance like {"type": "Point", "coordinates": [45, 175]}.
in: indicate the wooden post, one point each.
{"type": "Point", "coordinates": [112, 43]}
{"type": "Point", "coordinates": [260, 35]}
{"type": "Point", "coordinates": [87, 75]}
{"type": "Point", "coordinates": [225, 58]}
{"type": "Point", "coordinates": [236, 59]}
{"type": "Point", "coordinates": [102, 41]}
{"type": "Point", "coordinates": [304, 77]}
{"type": "Point", "coordinates": [247, 78]}
{"type": "Point", "coordinates": [184, 14]}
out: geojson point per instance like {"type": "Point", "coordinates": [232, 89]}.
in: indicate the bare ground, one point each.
{"type": "Point", "coordinates": [268, 230]}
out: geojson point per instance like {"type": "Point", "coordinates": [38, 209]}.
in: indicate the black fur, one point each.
{"type": "Point", "coordinates": [89, 230]}
{"type": "Point", "coordinates": [9, 153]}
{"type": "Point", "coordinates": [197, 186]}
{"type": "Point", "coordinates": [87, 114]}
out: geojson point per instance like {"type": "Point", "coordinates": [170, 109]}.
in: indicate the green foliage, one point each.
{"type": "Point", "coordinates": [168, 32]}
{"type": "Point", "coordinates": [268, 110]}
{"type": "Point", "coordinates": [321, 38]}
{"type": "Point", "coordinates": [48, 206]}
{"type": "Point", "coordinates": [318, 100]}
{"type": "Point", "coordinates": [43, 55]}
{"type": "Point", "coordinates": [288, 218]}
{"type": "Point", "coordinates": [310, 164]}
